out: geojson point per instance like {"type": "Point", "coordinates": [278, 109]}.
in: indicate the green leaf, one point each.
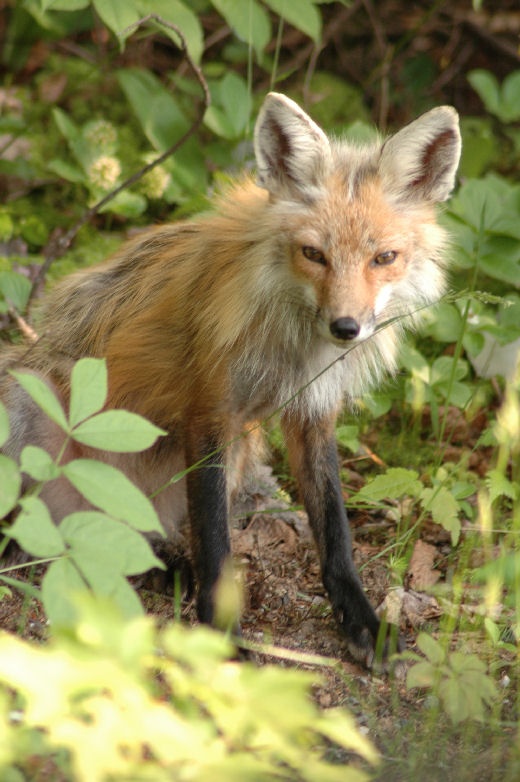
{"type": "Point", "coordinates": [65, 125]}
{"type": "Point", "coordinates": [487, 87]}
{"type": "Point", "coordinates": [60, 584]}
{"type": "Point", "coordinates": [444, 508]}
{"type": "Point", "coordinates": [443, 367]}
{"type": "Point", "coordinates": [117, 430]}
{"type": "Point", "coordinates": [421, 674]}
{"type": "Point", "coordinates": [455, 705]}
{"type": "Point", "coordinates": [35, 531]}
{"type": "Point", "coordinates": [236, 100]}
{"type": "Point", "coordinates": [347, 436]}
{"type": "Point", "coordinates": [110, 490]}
{"type": "Point", "coordinates": [10, 484]}
{"type": "Point", "coordinates": [15, 289]}
{"type": "Point", "coordinates": [446, 323]}
{"type": "Point", "coordinates": [157, 111]}
{"type": "Point", "coordinates": [44, 397]}
{"type": "Point", "coordinates": [248, 20]}
{"type": "Point", "coordinates": [126, 204]}
{"type": "Point", "coordinates": [117, 15]}
{"type": "Point", "coordinates": [229, 114]}
{"type": "Point", "coordinates": [88, 389]}
{"type": "Point", "coordinates": [303, 15]}
{"type": "Point", "coordinates": [4, 425]}
{"type": "Point", "coordinates": [66, 171]}
{"type": "Point", "coordinates": [511, 97]}
{"type": "Point", "coordinates": [127, 599]}
{"type": "Point", "coordinates": [183, 17]}
{"type": "Point", "coordinates": [431, 648]}
{"type": "Point", "coordinates": [104, 548]}
{"type": "Point", "coordinates": [396, 482]}
{"type": "Point", "coordinates": [37, 463]}
{"type": "Point", "coordinates": [500, 486]}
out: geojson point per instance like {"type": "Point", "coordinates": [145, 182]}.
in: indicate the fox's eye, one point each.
{"type": "Point", "coordinates": [314, 255]}
{"type": "Point", "coordinates": [384, 259]}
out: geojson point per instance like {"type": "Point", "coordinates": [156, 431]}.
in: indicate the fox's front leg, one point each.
{"type": "Point", "coordinates": [208, 513]}
{"type": "Point", "coordinates": [314, 461]}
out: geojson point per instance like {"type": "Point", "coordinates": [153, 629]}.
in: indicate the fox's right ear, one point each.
{"type": "Point", "coordinates": [291, 150]}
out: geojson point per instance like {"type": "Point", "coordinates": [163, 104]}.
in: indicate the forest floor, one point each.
{"type": "Point", "coordinates": [285, 609]}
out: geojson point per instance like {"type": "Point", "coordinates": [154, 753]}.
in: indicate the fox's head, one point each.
{"type": "Point", "coordinates": [360, 221]}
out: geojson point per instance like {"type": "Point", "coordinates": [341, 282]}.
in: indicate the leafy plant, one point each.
{"type": "Point", "coordinates": [459, 680]}
{"type": "Point", "coordinates": [98, 548]}
{"type": "Point", "coordinates": [115, 700]}
{"type": "Point", "coordinates": [501, 100]}
{"type": "Point", "coordinates": [443, 500]}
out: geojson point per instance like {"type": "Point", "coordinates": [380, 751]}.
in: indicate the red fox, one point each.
{"type": "Point", "coordinates": [272, 300]}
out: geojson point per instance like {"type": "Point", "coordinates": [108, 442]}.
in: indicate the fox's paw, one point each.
{"type": "Point", "coordinates": [370, 641]}
{"type": "Point", "coordinates": [375, 650]}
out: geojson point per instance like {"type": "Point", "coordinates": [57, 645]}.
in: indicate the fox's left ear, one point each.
{"type": "Point", "coordinates": [420, 161]}
{"type": "Point", "coordinates": [291, 150]}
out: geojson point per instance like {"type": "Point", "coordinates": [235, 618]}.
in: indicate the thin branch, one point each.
{"type": "Point", "coordinates": [29, 333]}
{"type": "Point", "coordinates": [60, 244]}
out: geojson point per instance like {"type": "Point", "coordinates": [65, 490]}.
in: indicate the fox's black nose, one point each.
{"type": "Point", "coordinates": [345, 328]}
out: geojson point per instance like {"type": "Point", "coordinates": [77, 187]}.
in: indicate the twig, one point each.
{"type": "Point", "coordinates": [60, 244]}
{"type": "Point", "coordinates": [28, 332]}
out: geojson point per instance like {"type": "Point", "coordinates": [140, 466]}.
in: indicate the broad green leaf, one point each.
{"type": "Point", "coordinates": [347, 436]}
{"type": "Point", "coordinates": [443, 367]}
{"type": "Point", "coordinates": [446, 323]}
{"type": "Point", "coordinates": [65, 125]}
{"type": "Point", "coordinates": [218, 122]}
{"type": "Point", "coordinates": [183, 17]}
{"type": "Point", "coordinates": [10, 484]}
{"type": "Point", "coordinates": [127, 599]}
{"type": "Point", "coordinates": [35, 531]}
{"type": "Point", "coordinates": [455, 705]}
{"type": "Point", "coordinates": [110, 490]}
{"type": "Point", "coordinates": [511, 97]}
{"type": "Point", "coordinates": [60, 584]}
{"type": "Point", "coordinates": [156, 109]}
{"type": "Point", "coordinates": [236, 100]}
{"type": "Point", "coordinates": [66, 170]}
{"type": "Point", "coordinates": [501, 259]}
{"type": "Point", "coordinates": [4, 425]}
{"type": "Point", "coordinates": [466, 664]}
{"type": "Point", "coordinates": [431, 648]}
{"type": "Point", "coordinates": [458, 394]}
{"type": "Point", "coordinates": [126, 204]}
{"type": "Point", "coordinates": [444, 508]}
{"type": "Point", "coordinates": [104, 548]}
{"type": "Point", "coordinates": [248, 20]}
{"type": "Point", "coordinates": [15, 289]}
{"type": "Point", "coordinates": [303, 15]}
{"type": "Point", "coordinates": [117, 15]}
{"type": "Point", "coordinates": [487, 87]}
{"type": "Point", "coordinates": [396, 482]}
{"type": "Point", "coordinates": [88, 389]}
{"type": "Point", "coordinates": [117, 430]}
{"type": "Point", "coordinates": [37, 463]}
{"type": "Point", "coordinates": [229, 114]}
{"type": "Point", "coordinates": [44, 397]}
